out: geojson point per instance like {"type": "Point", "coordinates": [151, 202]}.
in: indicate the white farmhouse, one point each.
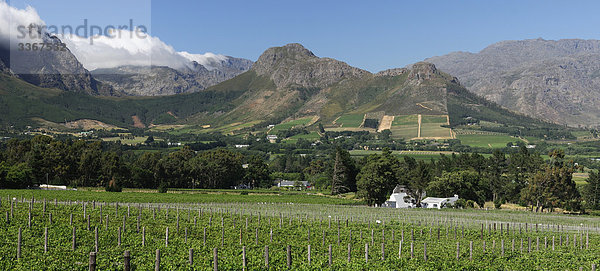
{"type": "Point", "coordinates": [438, 203]}
{"type": "Point", "coordinates": [399, 198]}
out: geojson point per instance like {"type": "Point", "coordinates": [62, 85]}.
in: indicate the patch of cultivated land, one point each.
{"type": "Point", "coordinates": [350, 120]}
{"type": "Point", "coordinates": [405, 126]}
{"type": "Point", "coordinates": [386, 123]}
{"type": "Point", "coordinates": [291, 124]}
{"type": "Point", "coordinates": [487, 141]}
{"type": "Point", "coordinates": [266, 226]}
{"type": "Point", "coordinates": [431, 127]}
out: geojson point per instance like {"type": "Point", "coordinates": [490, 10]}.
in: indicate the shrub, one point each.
{"type": "Point", "coordinates": [162, 188]}
{"type": "Point", "coordinates": [113, 186]}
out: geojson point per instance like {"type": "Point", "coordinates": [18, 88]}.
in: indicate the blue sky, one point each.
{"type": "Point", "coordinates": [373, 35]}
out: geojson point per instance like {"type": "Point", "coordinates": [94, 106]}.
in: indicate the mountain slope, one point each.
{"type": "Point", "coordinates": [557, 81]}
{"type": "Point", "coordinates": [291, 82]}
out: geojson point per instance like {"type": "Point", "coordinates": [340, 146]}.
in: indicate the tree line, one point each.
{"type": "Point", "coordinates": [519, 177]}
{"type": "Point", "coordinates": [522, 178]}
{"type": "Point", "coordinates": [79, 163]}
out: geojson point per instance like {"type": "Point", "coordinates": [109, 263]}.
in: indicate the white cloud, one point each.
{"type": "Point", "coordinates": [208, 60]}
{"type": "Point", "coordinates": [12, 18]}
{"type": "Point", "coordinates": [131, 48]}
{"type": "Point", "coordinates": [122, 48]}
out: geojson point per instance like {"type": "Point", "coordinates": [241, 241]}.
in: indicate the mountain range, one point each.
{"type": "Point", "coordinates": [556, 81]}
{"type": "Point", "coordinates": [285, 83]}
{"type": "Point", "coordinates": [163, 80]}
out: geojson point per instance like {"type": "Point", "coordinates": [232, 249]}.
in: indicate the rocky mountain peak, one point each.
{"type": "Point", "coordinates": [275, 55]}
{"type": "Point", "coordinates": [293, 65]}
{"type": "Point", "coordinates": [392, 72]}
{"type": "Point", "coordinates": [422, 71]}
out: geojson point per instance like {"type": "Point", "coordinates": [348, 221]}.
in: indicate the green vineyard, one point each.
{"type": "Point", "coordinates": [51, 234]}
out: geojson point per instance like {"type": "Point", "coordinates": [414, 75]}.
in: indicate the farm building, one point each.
{"type": "Point", "coordinates": [399, 198]}
{"type": "Point", "coordinates": [292, 184]}
{"type": "Point", "coordinates": [438, 203]}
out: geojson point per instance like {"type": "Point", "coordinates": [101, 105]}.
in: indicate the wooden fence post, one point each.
{"type": "Point", "coordinates": [19, 239]}
{"type": "Point", "coordinates": [74, 240]}
{"type": "Point", "coordinates": [127, 260]}
{"type": "Point", "coordinates": [92, 262]}
{"type": "Point", "coordinates": [96, 239]}
{"type": "Point", "coordinates": [470, 250]}
{"type": "Point", "coordinates": [309, 256]}
{"type": "Point", "coordinates": [167, 237]}
{"type": "Point", "coordinates": [244, 258]}
{"type": "Point", "coordinates": [267, 256]}
{"type": "Point", "coordinates": [45, 239]}
{"type": "Point", "coordinates": [349, 251]}
{"type": "Point", "coordinates": [191, 257]}
{"type": "Point", "coordinates": [215, 259]}
{"type": "Point", "coordinates": [457, 250]}
{"type": "Point", "coordinates": [157, 261]}
{"type": "Point", "coordinates": [289, 256]}
{"type": "Point", "coordinates": [400, 250]}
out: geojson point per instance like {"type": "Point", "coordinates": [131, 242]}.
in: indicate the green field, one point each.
{"type": "Point", "coordinates": [434, 130]}
{"type": "Point", "coordinates": [434, 119]}
{"type": "Point", "coordinates": [340, 237]}
{"type": "Point", "coordinates": [350, 120]}
{"type": "Point", "coordinates": [405, 132]}
{"type": "Point", "coordinates": [418, 155]}
{"type": "Point", "coordinates": [290, 124]}
{"type": "Point", "coordinates": [127, 141]}
{"type": "Point", "coordinates": [405, 120]}
{"type": "Point", "coordinates": [312, 136]}
{"type": "Point", "coordinates": [486, 141]}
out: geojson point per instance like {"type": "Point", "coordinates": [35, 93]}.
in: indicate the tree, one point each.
{"type": "Point", "coordinates": [497, 167]}
{"type": "Point", "coordinates": [419, 176]}
{"type": "Point", "coordinates": [522, 165]}
{"type": "Point", "coordinates": [386, 134]}
{"type": "Point", "coordinates": [553, 186]}
{"type": "Point", "coordinates": [591, 191]}
{"type": "Point", "coordinates": [220, 168]}
{"type": "Point", "coordinates": [378, 178]}
{"type": "Point", "coordinates": [149, 140]}
{"type": "Point", "coordinates": [17, 176]}
{"type": "Point", "coordinates": [464, 183]}
{"type": "Point", "coordinates": [344, 172]}
{"type": "Point", "coordinates": [258, 173]}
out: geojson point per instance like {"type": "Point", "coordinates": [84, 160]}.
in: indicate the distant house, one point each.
{"type": "Point", "coordinates": [272, 138]}
{"type": "Point", "coordinates": [291, 184]}
{"type": "Point", "coordinates": [241, 146]}
{"type": "Point", "coordinates": [400, 198]}
{"type": "Point", "coordinates": [438, 203]}
{"type": "Point", "coordinates": [53, 187]}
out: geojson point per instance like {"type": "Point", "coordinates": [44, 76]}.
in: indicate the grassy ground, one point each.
{"type": "Point", "coordinates": [418, 155]}
{"type": "Point", "coordinates": [434, 119]}
{"type": "Point", "coordinates": [312, 136]}
{"type": "Point", "coordinates": [181, 196]}
{"type": "Point", "coordinates": [290, 124]}
{"type": "Point", "coordinates": [135, 141]}
{"type": "Point", "coordinates": [406, 131]}
{"type": "Point", "coordinates": [486, 141]}
{"type": "Point", "coordinates": [405, 120]}
{"type": "Point", "coordinates": [434, 130]}
{"type": "Point", "coordinates": [350, 120]}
